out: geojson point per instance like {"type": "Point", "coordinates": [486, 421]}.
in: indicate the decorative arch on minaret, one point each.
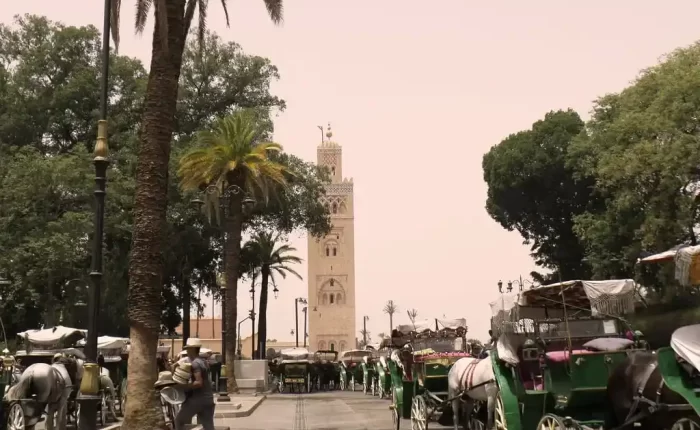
{"type": "Point", "coordinates": [331, 293]}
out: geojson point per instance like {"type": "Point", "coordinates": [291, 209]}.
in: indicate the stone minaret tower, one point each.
{"type": "Point", "coordinates": [332, 261]}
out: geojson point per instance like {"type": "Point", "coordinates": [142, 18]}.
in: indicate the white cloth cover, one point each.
{"type": "Point", "coordinates": [608, 344]}
{"type": "Point", "coordinates": [685, 341]}
{"type": "Point", "coordinates": [507, 347]}
{"type": "Point", "coordinates": [50, 336]}
{"type": "Point", "coordinates": [683, 260]}
{"type": "Point", "coordinates": [109, 342]}
{"type": "Point", "coordinates": [452, 324]}
{"type": "Point", "coordinates": [614, 297]}
{"type": "Point", "coordinates": [295, 354]}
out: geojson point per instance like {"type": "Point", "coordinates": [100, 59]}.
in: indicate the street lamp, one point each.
{"type": "Point", "coordinates": [519, 282]}
{"type": "Point", "coordinates": [364, 329]}
{"type": "Point", "coordinates": [305, 310]}
{"type": "Point", "coordinates": [296, 314]}
{"type": "Point", "coordinates": [88, 397]}
{"type": "Point", "coordinates": [225, 196]}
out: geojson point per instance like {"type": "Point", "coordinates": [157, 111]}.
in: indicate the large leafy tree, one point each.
{"type": "Point", "coordinates": [173, 20]}
{"type": "Point", "coordinates": [269, 257]}
{"type": "Point", "coordinates": [232, 156]}
{"type": "Point", "coordinates": [533, 190]}
{"type": "Point", "coordinates": [641, 145]}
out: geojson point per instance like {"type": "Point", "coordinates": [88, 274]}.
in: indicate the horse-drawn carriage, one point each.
{"type": "Point", "coordinates": [294, 370]}
{"type": "Point", "coordinates": [51, 366]}
{"type": "Point", "coordinates": [325, 370]}
{"type": "Point", "coordinates": [420, 368]}
{"type": "Point", "coordinates": [369, 372]}
{"type": "Point", "coordinates": [351, 369]}
{"type": "Point", "coordinates": [382, 374]}
{"type": "Point", "coordinates": [558, 346]}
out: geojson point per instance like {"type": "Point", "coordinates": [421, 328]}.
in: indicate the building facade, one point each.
{"type": "Point", "coordinates": [331, 261]}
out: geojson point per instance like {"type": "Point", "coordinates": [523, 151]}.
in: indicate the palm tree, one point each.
{"type": "Point", "coordinates": [390, 308]}
{"type": "Point", "coordinates": [412, 314]}
{"type": "Point", "coordinates": [232, 155]}
{"type": "Point", "coordinates": [173, 19]}
{"type": "Point", "coordinates": [269, 259]}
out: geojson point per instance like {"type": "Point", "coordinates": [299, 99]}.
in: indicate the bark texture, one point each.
{"type": "Point", "coordinates": [150, 204]}
{"type": "Point", "coordinates": [262, 318]}
{"type": "Point", "coordinates": [234, 226]}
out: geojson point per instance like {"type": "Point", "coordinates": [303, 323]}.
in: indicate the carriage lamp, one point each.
{"type": "Point", "coordinates": [276, 292]}
{"type": "Point", "coordinates": [500, 286]}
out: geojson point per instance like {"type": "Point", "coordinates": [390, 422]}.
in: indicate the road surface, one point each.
{"type": "Point", "coordinates": [334, 410]}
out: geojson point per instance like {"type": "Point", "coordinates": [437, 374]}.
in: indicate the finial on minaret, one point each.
{"type": "Point", "coordinates": [329, 133]}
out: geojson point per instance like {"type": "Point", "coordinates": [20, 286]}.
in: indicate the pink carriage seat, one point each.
{"type": "Point", "coordinates": [560, 356]}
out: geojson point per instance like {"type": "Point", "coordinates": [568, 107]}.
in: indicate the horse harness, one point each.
{"type": "Point", "coordinates": [467, 378]}
{"type": "Point", "coordinates": [635, 413]}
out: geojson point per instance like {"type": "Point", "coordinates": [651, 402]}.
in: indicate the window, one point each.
{"type": "Point", "coordinates": [332, 346]}
{"type": "Point", "coordinates": [339, 299]}
{"type": "Point", "coordinates": [335, 252]}
{"type": "Point", "coordinates": [332, 298]}
{"type": "Point", "coordinates": [335, 208]}
{"type": "Point", "coordinates": [333, 170]}
{"type": "Point", "coordinates": [321, 345]}
{"type": "Point", "coordinates": [343, 346]}
{"type": "Point", "coordinates": [328, 252]}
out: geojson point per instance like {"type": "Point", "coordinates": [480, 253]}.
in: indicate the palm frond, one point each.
{"type": "Point", "coordinates": [143, 7]}
{"type": "Point", "coordinates": [201, 31]}
{"type": "Point", "coordinates": [116, 7]}
{"type": "Point", "coordinates": [225, 6]}
{"type": "Point", "coordinates": [275, 10]}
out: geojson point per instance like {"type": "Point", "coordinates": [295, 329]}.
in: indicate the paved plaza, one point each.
{"type": "Point", "coordinates": [335, 410]}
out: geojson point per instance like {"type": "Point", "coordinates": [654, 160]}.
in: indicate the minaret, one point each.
{"type": "Point", "coordinates": [332, 261]}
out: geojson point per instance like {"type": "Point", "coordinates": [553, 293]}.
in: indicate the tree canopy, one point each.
{"type": "Point", "coordinates": [49, 87]}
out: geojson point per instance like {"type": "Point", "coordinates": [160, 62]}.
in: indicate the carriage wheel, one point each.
{"type": "Point", "coordinates": [419, 414]}
{"type": "Point", "coordinates": [365, 388]}
{"type": "Point", "coordinates": [15, 419]}
{"type": "Point", "coordinates": [374, 386]}
{"type": "Point", "coordinates": [553, 422]}
{"type": "Point", "coordinates": [395, 417]}
{"type": "Point", "coordinates": [500, 415]}
{"type": "Point", "coordinates": [309, 385]}
{"type": "Point", "coordinates": [686, 424]}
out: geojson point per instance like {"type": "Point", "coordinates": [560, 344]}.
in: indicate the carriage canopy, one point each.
{"type": "Point", "coordinates": [294, 354]}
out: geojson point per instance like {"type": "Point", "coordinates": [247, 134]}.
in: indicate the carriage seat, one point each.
{"type": "Point", "coordinates": [561, 356]}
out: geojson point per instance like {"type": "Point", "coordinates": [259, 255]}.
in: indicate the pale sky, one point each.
{"type": "Point", "coordinates": [417, 92]}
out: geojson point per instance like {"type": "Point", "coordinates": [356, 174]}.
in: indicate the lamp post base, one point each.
{"type": "Point", "coordinates": [87, 414]}
{"type": "Point", "coordinates": [223, 390]}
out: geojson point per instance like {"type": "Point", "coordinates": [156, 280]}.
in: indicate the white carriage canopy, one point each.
{"type": "Point", "coordinates": [294, 354]}
{"type": "Point", "coordinates": [687, 263]}
{"type": "Point", "coordinates": [433, 324]}
{"type": "Point", "coordinates": [611, 297]}
{"type": "Point", "coordinates": [52, 338]}
{"type": "Point", "coordinates": [685, 341]}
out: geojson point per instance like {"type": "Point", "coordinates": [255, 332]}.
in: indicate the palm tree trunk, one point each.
{"type": "Point", "coordinates": [391, 322]}
{"type": "Point", "coordinates": [146, 266]}
{"type": "Point", "coordinates": [234, 226]}
{"type": "Point", "coordinates": [262, 318]}
{"type": "Point", "coordinates": [186, 308]}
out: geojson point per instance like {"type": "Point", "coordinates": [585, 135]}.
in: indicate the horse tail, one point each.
{"type": "Point", "coordinates": [19, 390]}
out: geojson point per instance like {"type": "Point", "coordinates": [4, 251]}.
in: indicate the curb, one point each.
{"type": "Point", "coordinates": [115, 426]}
{"type": "Point", "coordinates": [240, 414]}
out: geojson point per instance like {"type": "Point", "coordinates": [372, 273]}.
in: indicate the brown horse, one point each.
{"type": "Point", "coordinates": [635, 386]}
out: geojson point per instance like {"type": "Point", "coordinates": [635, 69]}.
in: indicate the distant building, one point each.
{"type": "Point", "coordinates": [331, 260]}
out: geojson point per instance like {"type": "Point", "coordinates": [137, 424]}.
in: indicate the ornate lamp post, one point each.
{"type": "Point", "coordinates": [225, 196]}
{"type": "Point", "coordinates": [519, 282]}
{"type": "Point", "coordinates": [89, 386]}
{"type": "Point", "coordinates": [252, 322]}
{"type": "Point", "coordinates": [296, 315]}
{"type": "Point", "coordinates": [305, 309]}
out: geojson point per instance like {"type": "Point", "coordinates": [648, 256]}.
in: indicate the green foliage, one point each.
{"type": "Point", "coordinates": [531, 189]}
{"type": "Point", "coordinates": [49, 98]}
{"type": "Point", "coordinates": [593, 200]}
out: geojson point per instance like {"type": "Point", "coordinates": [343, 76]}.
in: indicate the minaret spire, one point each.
{"type": "Point", "coordinates": [329, 133]}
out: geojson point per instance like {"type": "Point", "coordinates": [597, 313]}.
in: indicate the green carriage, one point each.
{"type": "Point", "coordinates": [351, 372]}
{"type": "Point", "coordinates": [295, 370]}
{"type": "Point", "coordinates": [419, 370]}
{"type": "Point", "coordinates": [369, 372]}
{"type": "Point", "coordinates": [557, 347]}
{"type": "Point", "coordinates": [382, 374]}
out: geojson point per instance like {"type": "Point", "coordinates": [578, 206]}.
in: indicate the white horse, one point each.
{"type": "Point", "coordinates": [472, 379]}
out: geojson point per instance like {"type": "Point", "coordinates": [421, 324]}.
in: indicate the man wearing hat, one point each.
{"type": "Point", "coordinates": [200, 396]}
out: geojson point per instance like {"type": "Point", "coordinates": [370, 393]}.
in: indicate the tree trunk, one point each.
{"type": "Point", "coordinates": [186, 302]}
{"type": "Point", "coordinates": [150, 203]}
{"type": "Point", "coordinates": [262, 318]}
{"type": "Point", "coordinates": [234, 225]}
